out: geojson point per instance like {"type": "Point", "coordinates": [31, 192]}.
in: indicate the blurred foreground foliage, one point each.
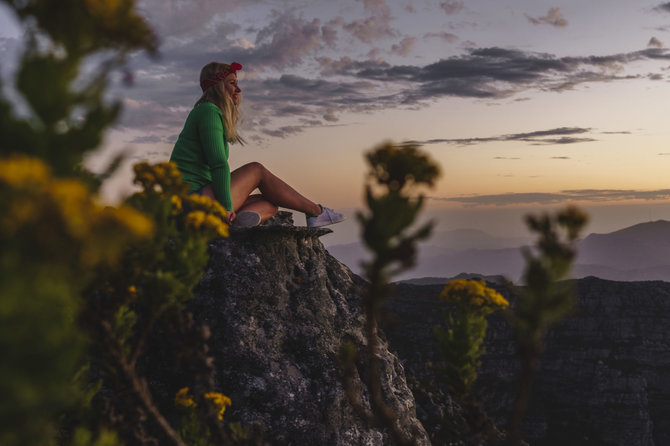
{"type": "Point", "coordinates": [396, 180]}
{"type": "Point", "coordinates": [86, 290]}
{"type": "Point", "coordinates": [53, 236]}
{"type": "Point", "coordinates": [547, 298]}
{"type": "Point", "coordinates": [394, 202]}
{"type": "Point", "coordinates": [71, 48]}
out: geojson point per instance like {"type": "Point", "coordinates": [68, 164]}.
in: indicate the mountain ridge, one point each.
{"type": "Point", "coordinates": [637, 252]}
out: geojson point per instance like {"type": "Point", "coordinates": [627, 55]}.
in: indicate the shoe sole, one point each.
{"type": "Point", "coordinates": [326, 223]}
{"type": "Point", "coordinates": [247, 219]}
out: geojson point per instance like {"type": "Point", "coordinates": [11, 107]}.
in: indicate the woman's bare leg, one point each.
{"type": "Point", "coordinates": [258, 203]}
{"type": "Point", "coordinates": [245, 179]}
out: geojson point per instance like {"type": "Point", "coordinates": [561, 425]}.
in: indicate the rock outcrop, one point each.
{"type": "Point", "coordinates": [604, 377]}
{"type": "Point", "coordinates": [279, 307]}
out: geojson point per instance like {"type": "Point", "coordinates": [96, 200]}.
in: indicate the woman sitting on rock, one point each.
{"type": "Point", "coordinates": [201, 154]}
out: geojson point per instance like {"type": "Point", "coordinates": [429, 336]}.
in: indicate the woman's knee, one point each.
{"type": "Point", "coordinates": [255, 167]}
{"type": "Point", "coordinates": [248, 176]}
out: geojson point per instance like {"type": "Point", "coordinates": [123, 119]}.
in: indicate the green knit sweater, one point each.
{"type": "Point", "coordinates": [201, 152]}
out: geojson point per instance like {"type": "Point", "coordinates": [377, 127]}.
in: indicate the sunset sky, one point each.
{"type": "Point", "coordinates": [524, 103]}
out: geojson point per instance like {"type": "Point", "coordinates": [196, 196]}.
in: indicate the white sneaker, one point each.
{"type": "Point", "coordinates": [246, 219]}
{"type": "Point", "coordinates": [326, 217]}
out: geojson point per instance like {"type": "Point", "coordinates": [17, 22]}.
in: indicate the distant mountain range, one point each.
{"type": "Point", "coordinates": [639, 252]}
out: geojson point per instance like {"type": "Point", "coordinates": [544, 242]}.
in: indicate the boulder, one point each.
{"type": "Point", "coordinates": [279, 307]}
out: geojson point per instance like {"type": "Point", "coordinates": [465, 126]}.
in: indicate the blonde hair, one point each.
{"type": "Point", "coordinates": [216, 94]}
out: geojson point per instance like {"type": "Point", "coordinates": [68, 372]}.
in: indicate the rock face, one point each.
{"type": "Point", "coordinates": [279, 307]}
{"type": "Point", "coordinates": [604, 378]}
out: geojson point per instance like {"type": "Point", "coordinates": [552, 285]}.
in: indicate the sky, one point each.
{"type": "Point", "coordinates": [526, 105]}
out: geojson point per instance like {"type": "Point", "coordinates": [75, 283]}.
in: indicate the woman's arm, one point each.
{"type": "Point", "coordinates": [215, 147]}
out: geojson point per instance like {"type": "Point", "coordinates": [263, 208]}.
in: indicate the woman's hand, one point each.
{"type": "Point", "coordinates": [231, 216]}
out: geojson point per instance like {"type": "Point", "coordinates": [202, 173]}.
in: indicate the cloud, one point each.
{"type": "Point", "coordinates": [148, 139]}
{"type": "Point", "coordinates": [663, 7]}
{"type": "Point", "coordinates": [348, 66]}
{"type": "Point", "coordinates": [447, 37]}
{"type": "Point", "coordinates": [554, 18]}
{"type": "Point", "coordinates": [329, 31]}
{"type": "Point", "coordinates": [506, 158]}
{"type": "Point", "coordinates": [290, 43]}
{"type": "Point", "coordinates": [330, 116]}
{"type": "Point", "coordinates": [376, 7]}
{"type": "Point", "coordinates": [286, 40]}
{"type": "Point", "coordinates": [173, 18]}
{"type": "Point", "coordinates": [284, 131]}
{"type": "Point", "coordinates": [404, 47]}
{"type": "Point", "coordinates": [243, 43]}
{"type": "Point", "coordinates": [172, 80]}
{"type": "Point", "coordinates": [451, 6]}
{"type": "Point", "coordinates": [654, 43]}
{"type": "Point", "coordinates": [362, 85]}
{"type": "Point", "coordinates": [311, 99]}
{"type": "Point", "coordinates": [540, 198]}
{"type": "Point", "coordinates": [561, 135]}
{"type": "Point", "coordinates": [370, 29]}
{"type": "Point", "coordinates": [560, 158]}
{"type": "Point", "coordinates": [499, 72]}
{"type": "Point", "coordinates": [377, 25]}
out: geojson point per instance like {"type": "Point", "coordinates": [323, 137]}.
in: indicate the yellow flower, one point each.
{"type": "Point", "coordinates": [473, 294]}
{"type": "Point", "coordinates": [176, 205]}
{"type": "Point", "coordinates": [183, 399]}
{"type": "Point", "coordinates": [206, 204]}
{"type": "Point", "coordinates": [75, 204]}
{"type": "Point", "coordinates": [173, 171]}
{"type": "Point", "coordinates": [214, 222]}
{"type": "Point", "coordinates": [195, 219]}
{"type": "Point", "coordinates": [220, 400]}
{"type": "Point", "coordinates": [159, 178]}
{"type": "Point", "coordinates": [19, 170]}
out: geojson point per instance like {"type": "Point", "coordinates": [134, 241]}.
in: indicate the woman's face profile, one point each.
{"type": "Point", "coordinates": [230, 84]}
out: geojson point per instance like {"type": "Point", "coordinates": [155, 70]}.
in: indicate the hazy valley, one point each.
{"type": "Point", "coordinates": [638, 252]}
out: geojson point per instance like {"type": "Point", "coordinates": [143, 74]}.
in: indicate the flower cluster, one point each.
{"type": "Point", "coordinates": [164, 180]}
{"type": "Point", "coordinates": [51, 213]}
{"type": "Point", "coordinates": [205, 213]}
{"type": "Point", "coordinates": [202, 220]}
{"type": "Point", "coordinates": [473, 295]}
{"type": "Point", "coordinates": [219, 400]}
{"type": "Point", "coordinates": [159, 178]}
{"type": "Point", "coordinates": [183, 399]}
{"type": "Point", "coordinates": [24, 171]}
{"type": "Point", "coordinates": [206, 204]}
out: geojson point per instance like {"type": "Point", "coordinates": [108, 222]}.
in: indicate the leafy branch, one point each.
{"type": "Point", "coordinates": [546, 299]}
{"type": "Point", "coordinates": [395, 179]}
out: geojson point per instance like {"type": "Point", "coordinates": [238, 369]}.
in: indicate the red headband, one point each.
{"type": "Point", "coordinates": [219, 76]}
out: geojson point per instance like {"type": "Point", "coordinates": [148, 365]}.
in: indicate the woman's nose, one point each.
{"type": "Point", "coordinates": [237, 89]}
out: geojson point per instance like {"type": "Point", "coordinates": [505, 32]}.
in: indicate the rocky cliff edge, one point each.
{"type": "Point", "coordinates": [279, 306]}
